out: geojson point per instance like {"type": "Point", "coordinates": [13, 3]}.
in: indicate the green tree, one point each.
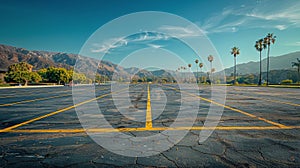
{"type": "Point", "coordinates": [297, 64]}
{"type": "Point", "coordinates": [210, 58]}
{"type": "Point", "coordinates": [190, 65]}
{"type": "Point", "coordinates": [196, 62]}
{"type": "Point", "coordinates": [43, 73]}
{"type": "Point", "coordinates": [35, 77]}
{"type": "Point", "coordinates": [268, 40]}
{"type": "Point", "coordinates": [21, 73]}
{"type": "Point", "coordinates": [201, 66]}
{"type": "Point", "coordinates": [235, 51]}
{"type": "Point", "coordinates": [259, 46]}
{"type": "Point", "coordinates": [79, 78]}
{"type": "Point", "coordinates": [58, 75]}
{"type": "Point", "coordinates": [98, 79]}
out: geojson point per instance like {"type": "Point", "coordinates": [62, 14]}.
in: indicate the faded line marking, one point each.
{"type": "Point", "coordinates": [56, 112]}
{"type": "Point", "coordinates": [33, 100]}
{"type": "Point", "coordinates": [108, 130]}
{"type": "Point", "coordinates": [274, 101]}
{"type": "Point", "coordinates": [233, 109]}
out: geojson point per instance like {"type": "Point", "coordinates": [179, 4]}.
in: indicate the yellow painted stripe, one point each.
{"type": "Point", "coordinates": [274, 101]}
{"type": "Point", "coordinates": [33, 100]}
{"type": "Point", "coordinates": [148, 111]}
{"type": "Point", "coordinates": [233, 109]}
{"type": "Point", "coordinates": [56, 112]}
{"type": "Point", "coordinates": [108, 130]}
{"type": "Point", "coordinates": [18, 96]}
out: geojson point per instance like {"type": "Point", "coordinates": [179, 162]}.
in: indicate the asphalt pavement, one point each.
{"type": "Point", "coordinates": [258, 126]}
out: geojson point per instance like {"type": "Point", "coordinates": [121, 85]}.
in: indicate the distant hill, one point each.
{"type": "Point", "coordinates": [276, 63]}
{"type": "Point", "coordinates": [44, 59]}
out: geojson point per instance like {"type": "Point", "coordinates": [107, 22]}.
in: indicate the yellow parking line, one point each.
{"type": "Point", "coordinates": [39, 99]}
{"type": "Point", "coordinates": [148, 111]}
{"type": "Point", "coordinates": [33, 100]}
{"type": "Point", "coordinates": [233, 109]}
{"type": "Point", "coordinates": [275, 101]}
{"type": "Point", "coordinates": [109, 130]}
{"type": "Point", "coordinates": [55, 112]}
{"type": "Point", "coordinates": [15, 96]}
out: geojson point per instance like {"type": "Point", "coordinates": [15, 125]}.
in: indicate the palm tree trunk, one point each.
{"type": "Point", "coordinates": [200, 79]}
{"type": "Point", "coordinates": [211, 75]}
{"type": "Point", "coordinates": [268, 64]}
{"type": "Point", "coordinates": [298, 75]}
{"type": "Point", "coordinates": [259, 81]}
{"type": "Point", "coordinates": [190, 77]}
{"type": "Point", "coordinates": [234, 73]}
{"type": "Point", "coordinates": [197, 74]}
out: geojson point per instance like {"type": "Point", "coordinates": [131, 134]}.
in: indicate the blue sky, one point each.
{"type": "Point", "coordinates": [65, 26]}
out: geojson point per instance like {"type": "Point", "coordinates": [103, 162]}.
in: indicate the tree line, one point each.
{"type": "Point", "coordinates": [260, 45]}
{"type": "Point", "coordinates": [22, 73]}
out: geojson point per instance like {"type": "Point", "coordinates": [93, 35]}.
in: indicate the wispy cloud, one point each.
{"type": "Point", "coordinates": [143, 37]}
{"type": "Point", "coordinates": [295, 44]}
{"type": "Point", "coordinates": [279, 15]}
{"type": "Point", "coordinates": [181, 32]}
{"type": "Point", "coordinates": [155, 46]}
{"type": "Point", "coordinates": [109, 44]}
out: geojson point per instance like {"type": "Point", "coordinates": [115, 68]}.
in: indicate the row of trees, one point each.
{"type": "Point", "coordinates": [22, 73]}
{"type": "Point", "coordinates": [260, 45]}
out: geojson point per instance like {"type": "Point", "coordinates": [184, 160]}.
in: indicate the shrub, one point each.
{"type": "Point", "coordinates": [287, 81]}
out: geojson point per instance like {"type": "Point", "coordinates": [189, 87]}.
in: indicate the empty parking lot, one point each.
{"type": "Point", "coordinates": [259, 126]}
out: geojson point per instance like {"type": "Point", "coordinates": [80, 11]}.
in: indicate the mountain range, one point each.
{"type": "Point", "coordinates": [282, 62]}
{"type": "Point", "coordinates": [44, 59]}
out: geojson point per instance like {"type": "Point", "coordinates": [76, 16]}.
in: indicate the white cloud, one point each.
{"type": "Point", "coordinates": [169, 31]}
{"type": "Point", "coordinates": [154, 46]}
{"type": "Point", "coordinates": [296, 44]}
{"type": "Point", "coordinates": [281, 27]}
{"type": "Point", "coordinates": [267, 14]}
{"type": "Point", "coordinates": [181, 32]}
{"type": "Point", "coordinates": [109, 44]}
{"type": "Point", "coordinates": [119, 42]}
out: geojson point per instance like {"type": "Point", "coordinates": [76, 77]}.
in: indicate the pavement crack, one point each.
{"type": "Point", "coordinates": [170, 160]}
{"type": "Point", "coordinates": [261, 154]}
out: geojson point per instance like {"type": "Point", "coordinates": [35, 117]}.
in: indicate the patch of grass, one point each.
{"type": "Point", "coordinates": [4, 84]}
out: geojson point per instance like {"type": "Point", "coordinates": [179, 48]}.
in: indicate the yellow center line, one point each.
{"type": "Point", "coordinates": [233, 109]}
{"type": "Point", "coordinates": [109, 130]}
{"type": "Point", "coordinates": [56, 112]}
{"type": "Point", "coordinates": [148, 110]}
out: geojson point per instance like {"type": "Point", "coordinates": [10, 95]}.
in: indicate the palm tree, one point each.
{"type": "Point", "coordinates": [268, 40]}
{"type": "Point", "coordinates": [235, 51]}
{"type": "Point", "coordinates": [184, 68]}
{"type": "Point", "coordinates": [190, 65]}
{"type": "Point", "coordinates": [260, 45]}
{"type": "Point", "coordinates": [197, 61]}
{"type": "Point", "coordinates": [200, 65]}
{"type": "Point", "coordinates": [210, 59]}
{"type": "Point", "coordinates": [297, 64]}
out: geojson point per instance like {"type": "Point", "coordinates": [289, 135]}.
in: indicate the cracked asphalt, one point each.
{"type": "Point", "coordinates": [259, 127]}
